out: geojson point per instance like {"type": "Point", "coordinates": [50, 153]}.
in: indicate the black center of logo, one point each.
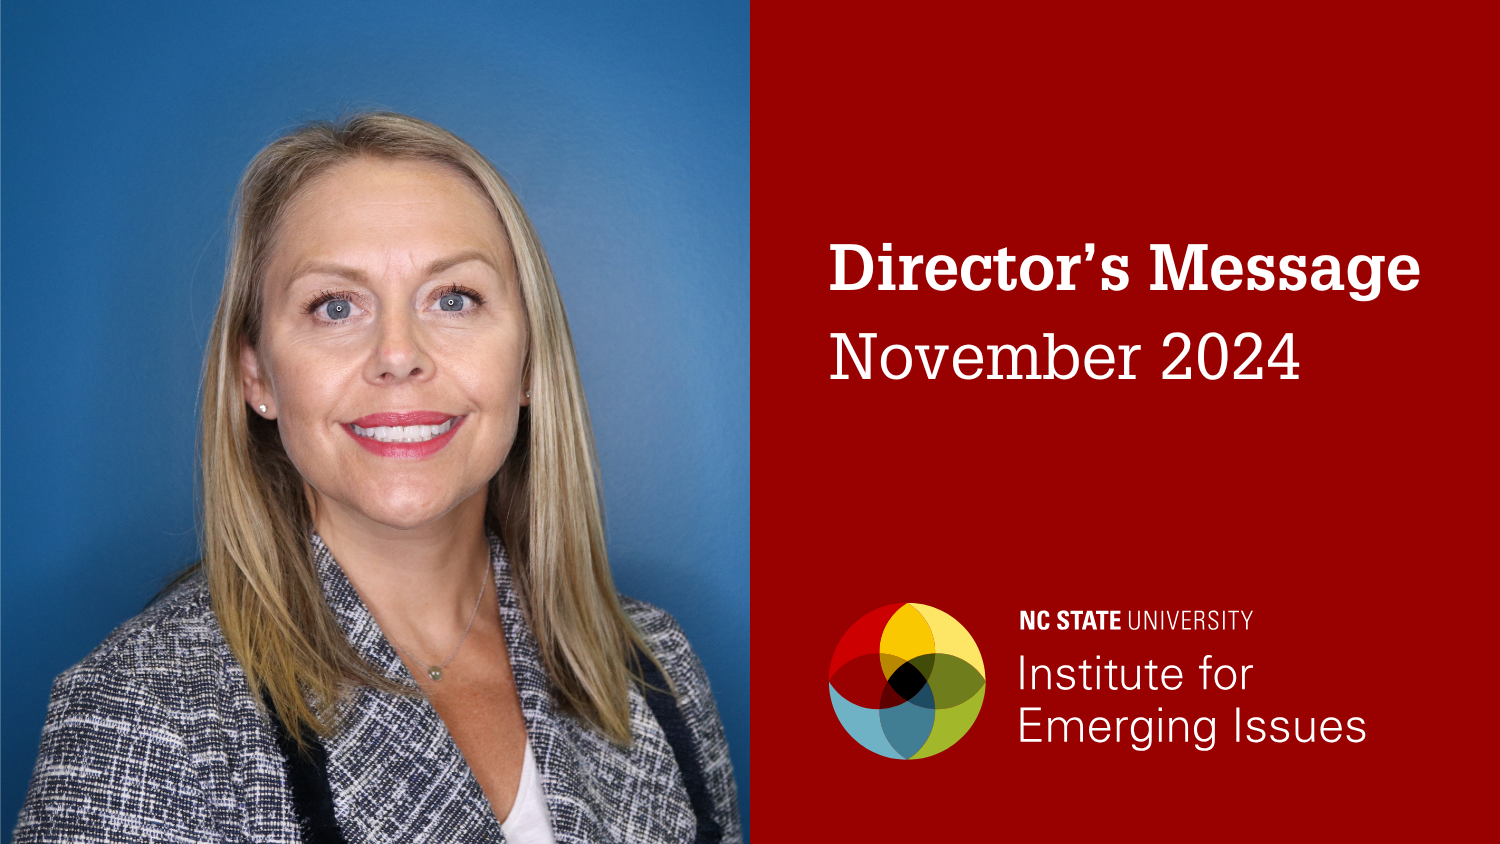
{"type": "Point", "coordinates": [907, 681]}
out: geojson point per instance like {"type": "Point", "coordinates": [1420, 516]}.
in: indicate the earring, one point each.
{"type": "Point", "coordinates": [262, 408]}
{"type": "Point", "coordinates": [528, 394]}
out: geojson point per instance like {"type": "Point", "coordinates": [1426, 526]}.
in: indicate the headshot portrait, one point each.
{"type": "Point", "coordinates": [402, 485]}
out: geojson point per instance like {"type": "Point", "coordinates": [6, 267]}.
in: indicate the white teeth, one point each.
{"type": "Point", "coordinates": [407, 433]}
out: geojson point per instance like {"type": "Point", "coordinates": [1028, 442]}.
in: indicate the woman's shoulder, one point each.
{"type": "Point", "coordinates": [662, 633]}
{"type": "Point", "coordinates": [139, 733]}
{"type": "Point", "coordinates": [670, 645]}
{"type": "Point", "coordinates": [176, 636]}
{"type": "Point", "coordinates": [649, 618]}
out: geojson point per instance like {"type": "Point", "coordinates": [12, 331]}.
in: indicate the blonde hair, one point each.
{"type": "Point", "coordinates": [544, 501]}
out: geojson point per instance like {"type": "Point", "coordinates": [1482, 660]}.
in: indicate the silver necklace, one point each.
{"type": "Point", "coordinates": [436, 671]}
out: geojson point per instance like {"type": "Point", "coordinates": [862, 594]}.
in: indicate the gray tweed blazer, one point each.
{"type": "Point", "coordinates": [155, 737]}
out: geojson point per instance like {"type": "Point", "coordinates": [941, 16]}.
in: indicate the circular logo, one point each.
{"type": "Point", "coordinates": [907, 681]}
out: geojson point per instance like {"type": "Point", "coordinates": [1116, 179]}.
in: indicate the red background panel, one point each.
{"type": "Point", "coordinates": [1351, 510]}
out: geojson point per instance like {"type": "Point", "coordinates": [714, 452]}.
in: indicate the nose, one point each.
{"type": "Point", "coordinates": [398, 355]}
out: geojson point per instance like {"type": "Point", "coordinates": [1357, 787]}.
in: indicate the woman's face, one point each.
{"type": "Point", "coordinates": [392, 340]}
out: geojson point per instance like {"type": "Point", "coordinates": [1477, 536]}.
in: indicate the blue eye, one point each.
{"type": "Point", "coordinates": [337, 309]}
{"type": "Point", "coordinates": [451, 302]}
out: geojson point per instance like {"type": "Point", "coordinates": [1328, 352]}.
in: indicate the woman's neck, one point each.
{"type": "Point", "coordinates": [421, 584]}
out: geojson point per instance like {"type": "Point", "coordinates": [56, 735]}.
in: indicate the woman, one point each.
{"type": "Point", "coordinates": [403, 627]}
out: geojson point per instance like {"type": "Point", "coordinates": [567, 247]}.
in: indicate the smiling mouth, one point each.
{"type": "Point", "coordinates": [405, 433]}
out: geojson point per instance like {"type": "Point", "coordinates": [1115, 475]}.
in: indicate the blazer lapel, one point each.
{"type": "Point", "coordinates": [395, 773]}
{"type": "Point", "coordinates": [596, 790]}
{"type": "Point", "coordinates": [568, 799]}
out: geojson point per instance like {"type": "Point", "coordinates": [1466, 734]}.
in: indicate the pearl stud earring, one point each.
{"type": "Point", "coordinates": [262, 408]}
{"type": "Point", "coordinates": [528, 394]}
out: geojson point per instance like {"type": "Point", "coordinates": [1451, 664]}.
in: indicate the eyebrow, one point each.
{"type": "Point", "coordinates": [442, 264]}
{"type": "Point", "coordinates": [357, 275]}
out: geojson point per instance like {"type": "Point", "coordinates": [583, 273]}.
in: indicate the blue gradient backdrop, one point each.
{"type": "Point", "coordinates": [625, 130]}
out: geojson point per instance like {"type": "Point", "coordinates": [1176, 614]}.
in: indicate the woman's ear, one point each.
{"type": "Point", "coordinates": [257, 388]}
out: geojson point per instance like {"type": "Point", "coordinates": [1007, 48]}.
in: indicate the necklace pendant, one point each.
{"type": "Point", "coordinates": [435, 673]}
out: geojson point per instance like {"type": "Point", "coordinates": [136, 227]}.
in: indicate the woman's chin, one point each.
{"type": "Point", "coordinates": [406, 520]}
{"type": "Point", "coordinates": [401, 512]}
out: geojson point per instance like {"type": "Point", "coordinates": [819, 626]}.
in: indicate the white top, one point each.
{"type": "Point", "coordinates": [529, 822]}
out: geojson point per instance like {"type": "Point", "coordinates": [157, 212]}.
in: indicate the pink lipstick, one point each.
{"type": "Point", "coordinates": [411, 436]}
